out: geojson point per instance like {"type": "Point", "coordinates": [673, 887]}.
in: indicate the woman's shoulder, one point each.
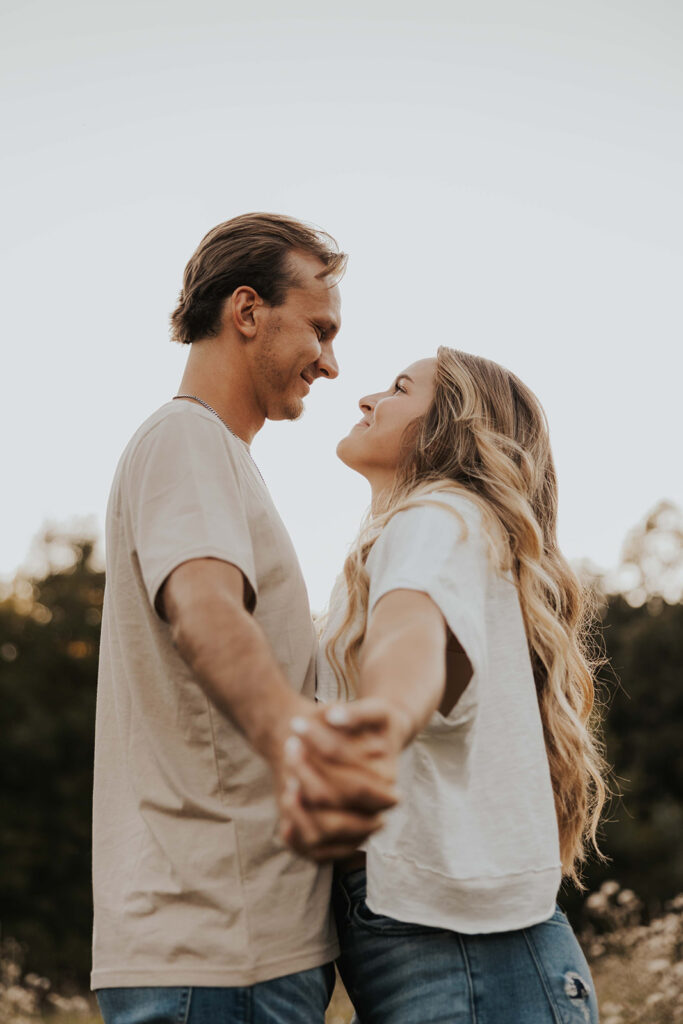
{"type": "Point", "coordinates": [454, 498]}
{"type": "Point", "coordinates": [431, 528]}
{"type": "Point", "coordinates": [442, 531]}
{"type": "Point", "coordinates": [439, 509]}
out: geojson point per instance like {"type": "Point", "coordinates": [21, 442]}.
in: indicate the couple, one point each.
{"type": "Point", "coordinates": [415, 822]}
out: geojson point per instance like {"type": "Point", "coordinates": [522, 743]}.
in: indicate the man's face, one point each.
{"type": "Point", "coordinates": [295, 347]}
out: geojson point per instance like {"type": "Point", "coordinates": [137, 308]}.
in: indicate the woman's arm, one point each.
{"type": "Point", "coordinates": [404, 657]}
{"type": "Point", "coordinates": [402, 682]}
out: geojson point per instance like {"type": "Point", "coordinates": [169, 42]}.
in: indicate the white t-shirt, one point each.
{"type": "Point", "coordinates": [474, 845]}
{"type": "Point", "coordinates": [192, 882]}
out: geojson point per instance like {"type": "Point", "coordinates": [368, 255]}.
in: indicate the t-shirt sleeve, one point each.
{"type": "Point", "coordinates": [185, 500]}
{"type": "Point", "coordinates": [442, 552]}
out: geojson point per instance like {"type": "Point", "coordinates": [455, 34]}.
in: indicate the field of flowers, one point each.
{"type": "Point", "coordinates": [637, 968]}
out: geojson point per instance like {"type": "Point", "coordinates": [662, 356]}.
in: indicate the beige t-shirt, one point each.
{"type": "Point", "coordinates": [192, 884]}
{"type": "Point", "coordinates": [473, 846]}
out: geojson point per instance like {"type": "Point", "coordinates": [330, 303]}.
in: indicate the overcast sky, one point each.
{"type": "Point", "coordinates": [506, 177]}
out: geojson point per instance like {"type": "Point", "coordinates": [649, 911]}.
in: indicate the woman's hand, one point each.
{"type": "Point", "coordinates": [342, 758]}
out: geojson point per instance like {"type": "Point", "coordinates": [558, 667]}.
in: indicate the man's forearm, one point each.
{"type": "Point", "coordinates": [230, 656]}
{"type": "Point", "coordinates": [228, 652]}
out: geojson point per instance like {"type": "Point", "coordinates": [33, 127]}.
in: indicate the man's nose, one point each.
{"type": "Point", "coordinates": [327, 364]}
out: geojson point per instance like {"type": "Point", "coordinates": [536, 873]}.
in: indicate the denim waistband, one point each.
{"type": "Point", "coordinates": [351, 883]}
{"type": "Point", "coordinates": [353, 886]}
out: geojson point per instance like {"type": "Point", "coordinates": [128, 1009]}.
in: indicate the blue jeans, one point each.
{"type": "Point", "coordinates": [290, 1000]}
{"type": "Point", "coordinates": [398, 973]}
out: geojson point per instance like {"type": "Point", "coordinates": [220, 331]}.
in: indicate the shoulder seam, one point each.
{"type": "Point", "coordinates": [208, 418]}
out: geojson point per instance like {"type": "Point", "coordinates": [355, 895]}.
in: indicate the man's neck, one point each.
{"type": "Point", "coordinates": [225, 385]}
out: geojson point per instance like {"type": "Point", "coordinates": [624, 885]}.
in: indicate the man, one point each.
{"type": "Point", "coordinates": [201, 911]}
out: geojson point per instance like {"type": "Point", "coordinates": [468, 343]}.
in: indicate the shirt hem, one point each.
{"type": "Point", "coordinates": [469, 880]}
{"type": "Point", "coordinates": [473, 906]}
{"type": "Point", "coordinates": [215, 977]}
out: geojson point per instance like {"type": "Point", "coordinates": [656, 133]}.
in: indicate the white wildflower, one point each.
{"type": "Point", "coordinates": [658, 965]}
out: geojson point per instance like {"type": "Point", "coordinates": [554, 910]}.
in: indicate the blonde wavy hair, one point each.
{"type": "Point", "coordinates": [485, 436]}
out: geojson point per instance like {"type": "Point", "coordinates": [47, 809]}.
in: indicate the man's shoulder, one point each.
{"type": "Point", "coordinates": [171, 436]}
{"type": "Point", "coordinates": [159, 417]}
{"type": "Point", "coordinates": [176, 422]}
{"type": "Point", "coordinates": [174, 417]}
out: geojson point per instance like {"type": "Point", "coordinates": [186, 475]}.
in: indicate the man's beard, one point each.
{"type": "Point", "coordinates": [278, 386]}
{"type": "Point", "coordinates": [291, 409]}
{"type": "Point", "coordinates": [277, 383]}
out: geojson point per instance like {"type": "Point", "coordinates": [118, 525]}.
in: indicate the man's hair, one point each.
{"type": "Point", "coordinates": [252, 250]}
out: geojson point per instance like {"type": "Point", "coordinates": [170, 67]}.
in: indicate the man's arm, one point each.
{"type": "Point", "coordinates": [203, 601]}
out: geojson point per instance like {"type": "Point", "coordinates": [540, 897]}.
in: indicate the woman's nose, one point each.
{"type": "Point", "coordinates": [366, 404]}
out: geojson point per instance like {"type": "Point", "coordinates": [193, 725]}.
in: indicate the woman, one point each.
{"type": "Point", "coordinates": [456, 607]}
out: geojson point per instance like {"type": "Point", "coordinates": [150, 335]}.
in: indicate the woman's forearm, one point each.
{"type": "Point", "coordinates": [404, 658]}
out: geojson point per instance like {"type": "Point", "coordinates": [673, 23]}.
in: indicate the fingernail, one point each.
{"type": "Point", "coordinates": [337, 715]}
{"type": "Point", "coordinates": [292, 748]}
{"type": "Point", "coordinates": [299, 724]}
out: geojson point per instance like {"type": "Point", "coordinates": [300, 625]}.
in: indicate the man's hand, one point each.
{"type": "Point", "coordinates": [342, 758]}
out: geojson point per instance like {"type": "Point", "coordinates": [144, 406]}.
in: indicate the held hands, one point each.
{"type": "Point", "coordinates": [339, 771]}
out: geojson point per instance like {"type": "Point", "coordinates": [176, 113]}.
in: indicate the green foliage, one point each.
{"type": "Point", "coordinates": [643, 832]}
{"type": "Point", "coordinates": [49, 633]}
{"type": "Point", "coordinates": [642, 625]}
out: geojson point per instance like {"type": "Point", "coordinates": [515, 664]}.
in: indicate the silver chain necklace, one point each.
{"type": "Point", "coordinates": [196, 398]}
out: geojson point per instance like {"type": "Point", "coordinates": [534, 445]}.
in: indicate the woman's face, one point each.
{"type": "Point", "coordinates": [373, 446]}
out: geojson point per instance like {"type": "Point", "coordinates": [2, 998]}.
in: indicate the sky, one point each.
{"type": "Point", "coordinates": [505, 176]}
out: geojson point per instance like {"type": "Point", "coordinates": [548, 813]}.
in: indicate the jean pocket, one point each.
{"type": "Point", "coordinates": [163, 1004]}
{"type": "Point", "coordinates": [378, 924]}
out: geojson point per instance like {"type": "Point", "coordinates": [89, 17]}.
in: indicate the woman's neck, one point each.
{"type": "Point", "coordinates": [381, 488]}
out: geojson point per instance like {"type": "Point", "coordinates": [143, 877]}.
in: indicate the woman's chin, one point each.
{"type": "Point", "coordinates": [345, 452]}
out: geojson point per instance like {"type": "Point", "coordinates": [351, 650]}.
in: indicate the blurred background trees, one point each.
{"type": "Point", "coordinates": [49, 632]}
{"type": "Point", "coordinates": [642, 685]}
{"type": "Point", "coordinates": [49, 629]}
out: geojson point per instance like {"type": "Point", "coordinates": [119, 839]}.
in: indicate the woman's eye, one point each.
{"type": "Point", "coordinates": [397, 387]}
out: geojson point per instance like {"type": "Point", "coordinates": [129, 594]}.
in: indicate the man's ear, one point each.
{"type": "Point", "coordinates": [243, 307]}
